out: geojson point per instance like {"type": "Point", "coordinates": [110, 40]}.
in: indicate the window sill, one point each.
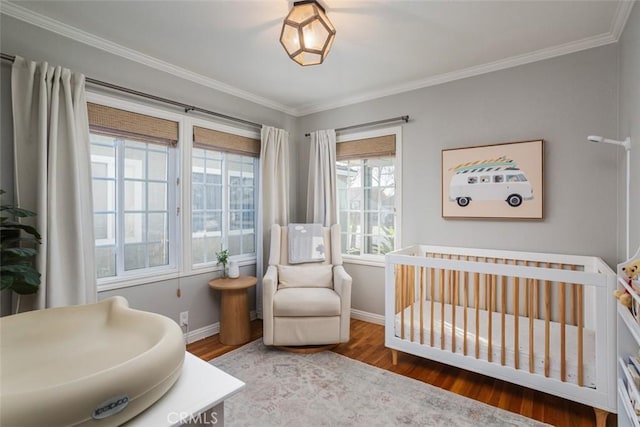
{"type": "Point", "coordinates": [114, 284]}
{"type": "Point", "coordinates": [371, 261]}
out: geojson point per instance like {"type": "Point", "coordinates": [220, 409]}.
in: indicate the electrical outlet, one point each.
{"type": "Point", "coordinates": [184, 318]}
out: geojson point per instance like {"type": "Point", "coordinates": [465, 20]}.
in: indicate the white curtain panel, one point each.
{"type": "Point", "coordinates": [321, 190]}
{"type": "Point", "coordinates": [273, 203]}
{"type": "Point", "coordinates": [53, 178]}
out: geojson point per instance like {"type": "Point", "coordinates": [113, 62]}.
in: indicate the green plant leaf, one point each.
{"type": "Point", "coordinates": [11, 243]}
{"type": "Point", "coordinates": [24, 288]}
{"type": "Point", "coordinates": [26, 272]}
{"type": "Point", "coordinates": [19, 212]}
{"type": "Point", "coordinates": [6, 281]}
{"type": "Point", "coordinates": [18, 247]}
{"type": "Point", "coordinates": [22, 252]}
{"type": "Point", "coordinates": [10, 225]}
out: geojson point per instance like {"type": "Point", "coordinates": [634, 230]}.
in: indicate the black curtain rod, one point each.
{"type": "Point", "coordinates": [378, 122]}
{"type": "Point", "coordinates": [186, 107]}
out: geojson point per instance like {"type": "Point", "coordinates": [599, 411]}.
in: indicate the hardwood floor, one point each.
{"type": "Point", "coordinates": [367, 345]}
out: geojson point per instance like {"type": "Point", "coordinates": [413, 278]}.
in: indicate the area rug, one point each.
{"type": "Point", "coordinates": [327, 389]}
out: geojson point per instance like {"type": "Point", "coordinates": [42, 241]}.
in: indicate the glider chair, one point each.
{"type": "Point", "coordinates": [308, 303]}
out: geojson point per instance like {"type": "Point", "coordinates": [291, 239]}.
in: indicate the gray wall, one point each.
{"type": "Point", "coordinates": [561, 100]}
{"type": "Point", "coordinates": [629, 125]}
{"type": "Point", "coordinates": [19, 38]}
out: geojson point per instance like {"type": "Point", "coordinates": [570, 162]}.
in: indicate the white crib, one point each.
{"type": "Point", "coordinates": [543, 321]}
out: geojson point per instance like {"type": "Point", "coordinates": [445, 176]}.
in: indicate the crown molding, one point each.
{"type": "Point", "coordinates": [18, 12]}
{"type": "Point", "coordinates": [623, 11]}
{"type": "Point", "coordinates": [621, 15]}
{"type": "Point", "coordinates": [618, 23]}
{"type": "Point", "coordinates": [477, 70]}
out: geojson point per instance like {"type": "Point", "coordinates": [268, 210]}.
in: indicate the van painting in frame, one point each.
{"type": "Point", "coordinates": [493, 181]}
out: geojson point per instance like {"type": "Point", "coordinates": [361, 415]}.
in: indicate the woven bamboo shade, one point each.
{"type": "Point", "coordinates": [381, 146]}
{"type": "Point", "coordinates": [223, 141]}
{"type": "Point", "coordinates": [126, 124]}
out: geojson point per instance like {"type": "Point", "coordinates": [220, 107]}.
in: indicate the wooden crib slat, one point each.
{"type": "Point", "coordinates": [503, 317]}
{"type": "Point", "coordinates": [442, 313]}
{"type": "Point", "coordinates": [476, 301]}
{"type": "Point", "coordinates": [572, 299]}
{"type": "Point", "coordinates": [572, 303]}
{"type": "Point", "coordinates": [454, 299]}
{"type": "Point", "coordinates": [448, 275]}
{"type": "Point", "coordinates": [526, 294]}
{"type": "Point", "coordinates": [536, 295]}
{"type": "Point", "coordinates": [494, 289]}
{"type": "Point", "coordinates": [400, 296]}
{"type": "Point", "coordinates": [547, 324]}
{"type": "Point", "coordinates": [410, 296]}
{"type": "Point", "coordinates": [432, 277]}
{"type": "Point", "coordinates": [422, 290]}
{"type": "Point", "coordinates": [465, 279]}
{"type": "Point", "coordinates": [489, 284]}
{"type": "Point", "coordinates": [563, 353]}
{"type": "Point", "coordinates": [516, 324]}
{"type": "Point", "coordinates": [486, 289]}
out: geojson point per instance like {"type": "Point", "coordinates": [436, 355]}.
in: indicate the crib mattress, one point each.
{"type": "Point", "coordinates": [571, 339]}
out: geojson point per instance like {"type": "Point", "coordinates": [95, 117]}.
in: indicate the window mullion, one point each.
{"type": "Point", "coordinates": [362, 195]}
{"type": "Point", "coordinates": [146, 207]}
{"type": "Point", "coordinates": [120, 206]}
{"type": "Point", "coordinates": [172, 208]}
{"type": "Point", "coordinates": [225, 201]}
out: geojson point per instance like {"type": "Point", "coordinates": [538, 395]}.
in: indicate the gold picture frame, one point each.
{"type": "Point", "coordinates": [494, 181]}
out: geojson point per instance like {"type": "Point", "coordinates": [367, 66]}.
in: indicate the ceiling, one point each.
{"type": "Point", "coordinates": [381, 47]}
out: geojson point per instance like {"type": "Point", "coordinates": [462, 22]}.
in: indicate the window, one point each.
{"type": "Point", "coordinates": [134, 181]}
{"type": "Point", "coordinates": [367, 188]}
{"type": "Point", "coordinates": [223, 195]}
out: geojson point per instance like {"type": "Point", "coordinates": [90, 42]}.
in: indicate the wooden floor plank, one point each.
{"type": "Point", "coordinates": [367, 345]}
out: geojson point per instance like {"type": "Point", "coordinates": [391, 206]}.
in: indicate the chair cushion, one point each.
{"type": "Point", "coordinates": [305, 276]}
{"type": "Point", "coordinates": [306, 302]}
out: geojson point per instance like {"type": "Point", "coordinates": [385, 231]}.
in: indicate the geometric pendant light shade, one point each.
{"type": "Point", "coordinates": [307, 34]}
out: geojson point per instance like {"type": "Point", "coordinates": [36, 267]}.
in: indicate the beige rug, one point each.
{"type": "Point", "coordinates": [327, 389]}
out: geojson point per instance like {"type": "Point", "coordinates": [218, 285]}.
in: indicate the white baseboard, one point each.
{"type": "Point", "coordinates": [207, 331]}
{"type": "Point", "coordinates": [378, 319]}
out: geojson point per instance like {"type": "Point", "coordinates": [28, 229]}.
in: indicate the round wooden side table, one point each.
{"type": "Point", "coordinates": [235, 328]}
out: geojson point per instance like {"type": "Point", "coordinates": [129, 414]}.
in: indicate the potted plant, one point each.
{"type": "Point", "coordinates": [18, 248]}
{"type": "Point", "coordinates": [223, 258]}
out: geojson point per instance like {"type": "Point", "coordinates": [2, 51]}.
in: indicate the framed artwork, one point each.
{"type": "Point", "coordinates": [493, 181]}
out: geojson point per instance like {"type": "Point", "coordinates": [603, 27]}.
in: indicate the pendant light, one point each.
{"type": "Point", "coordinates": [307, 34]}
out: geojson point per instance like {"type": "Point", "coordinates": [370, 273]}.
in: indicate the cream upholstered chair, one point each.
{"type": "Point", "coordinates": [306, 304]}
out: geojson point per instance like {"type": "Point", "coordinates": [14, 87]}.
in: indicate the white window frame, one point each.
{"type": "Point", "coordinates": [243, 259]}
{"type": "Point", "coordinates": [371, 259]}
{"type": "Point", "coordinates": [172, 269]}
{"type": "Point", "coordinates": [182, 266]}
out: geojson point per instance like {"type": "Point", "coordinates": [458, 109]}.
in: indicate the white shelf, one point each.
{"type": "Point", "coordinates": [626, 348]}
{"type": "Point", "coordinates": [630, 382]}
{"type": "Point", "coordinates": [626, 403]}
{"type": "Point", "coordinates": [629, 321]}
